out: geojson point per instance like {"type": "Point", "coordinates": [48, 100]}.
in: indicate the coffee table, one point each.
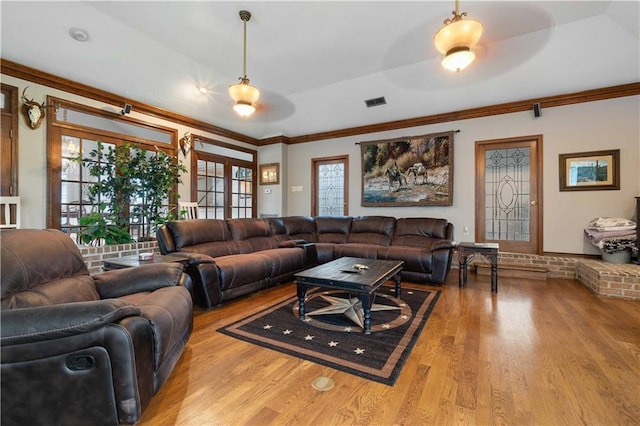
{"type": "Point", "coordinates": [340, 274]}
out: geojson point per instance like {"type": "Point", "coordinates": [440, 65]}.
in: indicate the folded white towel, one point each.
{"type": "Point", "coordinates": [603, 224]}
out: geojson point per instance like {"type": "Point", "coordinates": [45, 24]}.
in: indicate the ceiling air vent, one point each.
{"type": "Point", "coordinates": [375, 102]}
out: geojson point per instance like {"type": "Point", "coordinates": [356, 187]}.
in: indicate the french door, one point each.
{"type": "Point", "coordinates": [329, 186]}
{"type": "Point", "coordinates": [223, 187]}
{"type": "Point", "coordinates": [509, 193]}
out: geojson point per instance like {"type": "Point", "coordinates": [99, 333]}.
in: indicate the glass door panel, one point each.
{"type": "Point", "coordinates": [225, 187]}
{"type": "Point", "coordinates": [508, 193]}
{"type": "Point", "coordinates": [330, 177]}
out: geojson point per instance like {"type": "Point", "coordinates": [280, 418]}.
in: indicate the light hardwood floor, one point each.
{"type": "Point", "coordinates": [537, 353]}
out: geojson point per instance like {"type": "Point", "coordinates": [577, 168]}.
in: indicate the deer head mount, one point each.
{"type": "Point", "coordinates": [33, 112]}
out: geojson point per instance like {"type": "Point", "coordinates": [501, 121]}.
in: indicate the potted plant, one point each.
{"type": "Point", "coordinates": [127, 175]}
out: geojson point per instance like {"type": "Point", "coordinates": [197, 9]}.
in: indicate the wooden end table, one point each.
{"type": "Point", "coordinates": [488, 250]}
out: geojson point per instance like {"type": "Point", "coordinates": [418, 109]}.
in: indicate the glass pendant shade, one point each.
{"type": "Point", "coordinates": [455, 39]}
{"type": "Point", "coordinates": [459, 59]}
{"type": "Point", "coordinates": [244, 109]}
{"type": "Point", "coordinates": [244, 94]}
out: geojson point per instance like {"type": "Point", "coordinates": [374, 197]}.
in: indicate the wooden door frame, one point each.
{"type": "Point", "coordinates": [11, 111]}
{"type": "Point", "coordinates": [228, 163]}
{"type": "Point", "coordinates": [314, 181]}
{"type": "Point", "coordinates": [479, 185]}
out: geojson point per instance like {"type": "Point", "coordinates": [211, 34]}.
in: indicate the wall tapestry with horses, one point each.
{"type": "Point", "coordinates": [408, 171]}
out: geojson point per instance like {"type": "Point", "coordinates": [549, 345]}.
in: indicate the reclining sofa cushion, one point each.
{"type": "Point", "coordinates": [170, 316]}
{"type": "Point", "coordinates": [240, 269]}
{"type": "Point", "coordinates": [420, 232]}
{"type": "Point", "coordinates": [415, 259]}
{"type": "Point", "coordinates": [279, 232]}
{"type": "Point", "coordinates": [377, 230]}
{"type": "Point", "coordinates": [251, 235]}
{"type": "Point", "coordinates": [301, 228]}
{"type": "Point", "coordinates": [206, 236]}
{"type": "Point", "coordinates": [368, 234]}
{"type": "Point", "coordinates": [333, 229]}
{"type": "Point", "coordinates": [330, 232]}
{"type": "Point", "coordinates": [256, 236]}
{"type": "Point", "coordinates": [30, 279]}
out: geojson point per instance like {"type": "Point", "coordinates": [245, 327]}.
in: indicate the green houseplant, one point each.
{"type": "Point", "coordinates": [129, 182]}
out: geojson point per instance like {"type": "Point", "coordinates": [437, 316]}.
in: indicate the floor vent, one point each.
{"type": "Point", "coordinates": [375, 102]}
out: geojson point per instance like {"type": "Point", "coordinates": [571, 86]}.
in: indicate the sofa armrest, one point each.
{"type": "Point", "coordinates": [120, 282]}
{"type": "Point", "coordinates": [310, 252]}
{"type": "Point", "coordinates": [291, 243]}
{"type": "Point", "coordinates": [442, 254]}
{"type": "Point", "coordinates": [41, 323]}
{"type": "Point", "coordinates": [165, 240]}
{"type": "Point", "coordinates": [195, 258]}
{"type": "Point", "coordinates": [442, 245]}
{"type": "Point", "coordinates": [206, 281]}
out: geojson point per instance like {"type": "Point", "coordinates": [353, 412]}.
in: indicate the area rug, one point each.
{"type": "Point", "coordinates": [330, 334]}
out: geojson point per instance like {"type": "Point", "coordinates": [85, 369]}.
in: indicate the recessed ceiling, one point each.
{"type": "Point", "coordinates": [315, 62]}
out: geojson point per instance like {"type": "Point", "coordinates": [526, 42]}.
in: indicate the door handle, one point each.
{"type": "Point", "coordinates": [533, 203]}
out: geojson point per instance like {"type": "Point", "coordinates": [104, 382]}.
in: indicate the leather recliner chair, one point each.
{"type": "Point", "coordinates": [82, 349]}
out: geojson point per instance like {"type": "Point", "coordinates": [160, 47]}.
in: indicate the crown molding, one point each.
{"type": "Point", "coordinates": [30, 74]}
{"type": "Point", "coordinates": [611, 92]}
{"type": "Point", "coordinates": [40, 77]}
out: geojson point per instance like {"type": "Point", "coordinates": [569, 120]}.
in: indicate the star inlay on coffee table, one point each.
{"type": "Point", "coordinates": [351, 308]}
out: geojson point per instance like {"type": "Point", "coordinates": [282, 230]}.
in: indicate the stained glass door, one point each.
{"type": "Point", "coordinates": [508, 201]}
{"type": "Point", "coordinates": [329, 187]}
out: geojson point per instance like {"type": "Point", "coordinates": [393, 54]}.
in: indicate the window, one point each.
{"type": "Point", "coordinates": [70, 135]}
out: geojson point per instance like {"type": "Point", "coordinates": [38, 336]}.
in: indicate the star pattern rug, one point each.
{"type": "Point", "coordinates": [330, 334]}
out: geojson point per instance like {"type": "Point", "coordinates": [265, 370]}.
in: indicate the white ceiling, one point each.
{"type": "Point", "coordinates": [316, 62]}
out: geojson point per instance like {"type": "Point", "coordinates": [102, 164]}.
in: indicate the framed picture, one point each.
{"type": "Point", "coordinates": [590, 171]}
{"type": "Point", "coordinates": [270, 174]}
{"type": "Point", "coordinates": [408, 171]}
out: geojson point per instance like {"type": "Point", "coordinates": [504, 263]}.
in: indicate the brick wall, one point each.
{"type": "Point", "coordinates": [604, 279]}
{"type": "Point", "coordinates": [554, 266]}
{"type": "Point", "coordinates": [93, 256]}
{"type": "Point", "coordinates": [610, 279]}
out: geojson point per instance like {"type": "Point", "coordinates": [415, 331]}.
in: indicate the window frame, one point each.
{"type": "Point", "coordinates": [56, 129]}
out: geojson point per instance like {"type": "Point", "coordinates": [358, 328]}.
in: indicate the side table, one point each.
{"type": "Point", "coordinates": [488, 250]}
{"type": "Point", "coordinates": [134, 261]}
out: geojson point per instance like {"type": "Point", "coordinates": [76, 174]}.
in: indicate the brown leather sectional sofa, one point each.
{"type": "Point", "coordinates": [233, 257]}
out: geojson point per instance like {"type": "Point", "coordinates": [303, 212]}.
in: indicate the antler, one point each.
{"type": "Point", "coordinates": [32, 101]}
{"type": "Point", "coordinates": [26, 100]}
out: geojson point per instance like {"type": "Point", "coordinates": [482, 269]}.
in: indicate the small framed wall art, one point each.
{"type": "Point", "coordinates": [590, 171]}
{"type": "Point", "coordinates": [270, 174]}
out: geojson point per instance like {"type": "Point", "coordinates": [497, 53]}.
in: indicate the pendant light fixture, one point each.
{"type": "Point", "coordinates": [243, 93]}
{"type": "Point", "coordinates": [456, 39]}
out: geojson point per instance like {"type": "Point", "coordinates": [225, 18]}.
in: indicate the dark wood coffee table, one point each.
{"type": "Point", "coordinates": [340, 274]}
{"type": "Point", "coordinates": [134, 261]}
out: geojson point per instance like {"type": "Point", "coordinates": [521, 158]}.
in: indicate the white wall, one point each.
{"type": "Point", "coordinates": [609, 124]}
{"type": "Point", "coordinates": [272, 199]}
